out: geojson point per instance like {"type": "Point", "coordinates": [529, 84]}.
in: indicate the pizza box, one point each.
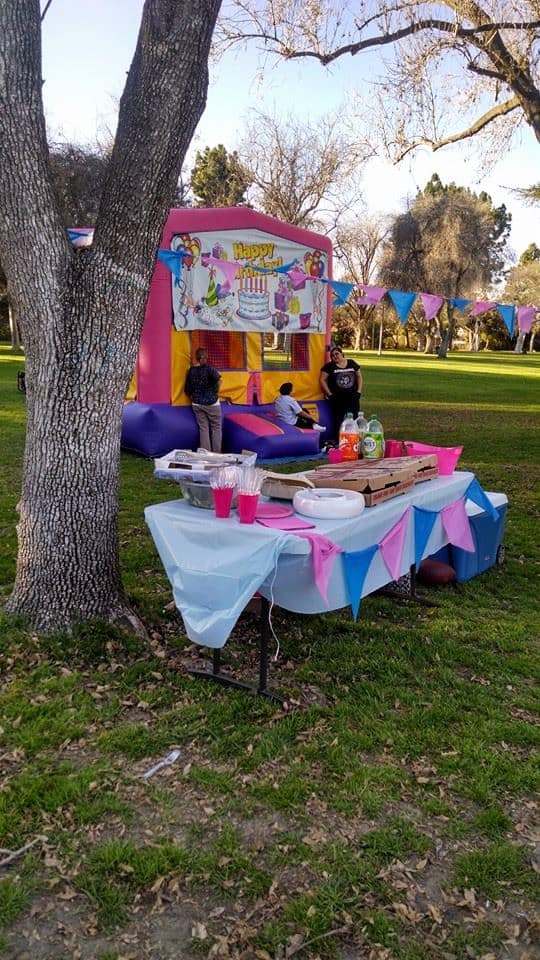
{"type": "Point", "coordinates": [376, 479]}
{"type": "Point", "coordinates": [426, 465]}
{"type": "Point", "coordinates": [283, 486]}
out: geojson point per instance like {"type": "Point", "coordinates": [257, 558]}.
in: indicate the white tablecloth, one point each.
{"type": "Point", "coordinates": [215, 566]}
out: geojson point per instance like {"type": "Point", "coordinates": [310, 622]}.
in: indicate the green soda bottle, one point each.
{"type": "Point", "coordinates": [373, 440]}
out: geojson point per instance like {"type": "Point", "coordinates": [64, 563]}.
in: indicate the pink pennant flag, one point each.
{"type": "Point", "coordinates": [432, 304]}
{"type": "Point", "coordinates": [456, 525]}
{"type": "Point", "coordinates": [391, 545]}
{"type": "Point", "coordinates": [229, 268]}
{"type": "Point", "coordinates": [323, 555]}
{"type": "Point", "coordinates": [371, 295]}
{"type": "Point", "coordinates": [482, 306]}
{"type": "Point", "coordinates": [525, 317]}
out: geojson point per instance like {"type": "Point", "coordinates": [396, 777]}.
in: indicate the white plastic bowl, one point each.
{"type": "Point", "coordinates": [329, 503]}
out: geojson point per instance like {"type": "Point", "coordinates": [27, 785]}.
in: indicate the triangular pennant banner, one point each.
{"type": "Point", "coordinates": [342, 291]}
{"type": "Point", "coordinates": [391, 545]}
{"type": "Point", "coordinates": [424, 521]}
{"type": "Point", "coordinates": [323, 555]}
{"type": "Point", "coordinates": [432, 304]}
{"type": "Point", "coordinates": [525, 316]}
{"type": "Point", "coordinates": [456, 524]}
{"type": "Point", "coordinates": [371, 296]}
{"type": "Point", "coordinates": [356, 566]}
{"type": "Point", "coordinates": [403, 303]}
{"type": "Point", "coordinates": [173, 260]}
{"type": "Point", "coordinates": [459, 303]}
{"type": "Point", "coordinates": [507, 313]}
{"type": "Point", "coordinates": [283, 269]}
{"type": "Point", "coordinates": [229, 268]}
{"type": "Point", "coordinates": [81, 236]}
{"type": "Point", "coordinates": [482, 306]}
{"type": "Point", "coordinates": [475, 493]}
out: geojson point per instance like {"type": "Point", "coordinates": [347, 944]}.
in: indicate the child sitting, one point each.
{"type": "Point", "coordinates": [289, 410]}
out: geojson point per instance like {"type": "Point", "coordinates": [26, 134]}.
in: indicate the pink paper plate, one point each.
{"type": "Point", "coordinates": [286, 523]}
{"type": "Point", "coordinates": [267, 511]}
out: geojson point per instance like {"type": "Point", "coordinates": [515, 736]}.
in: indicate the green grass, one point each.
{"type": "Point", "coordinates": [406, 780]}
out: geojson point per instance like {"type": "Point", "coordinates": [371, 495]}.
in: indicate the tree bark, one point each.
{"type": "Point", "coordinates": [519, 342]}
{"type": "Point", "coordinates": [81, 311]}
{"type": "Point", "coordinates": [448, 335]}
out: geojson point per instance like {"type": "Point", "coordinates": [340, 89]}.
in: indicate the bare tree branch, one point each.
{"type": "Point", "coordinates": [419, 83]}
{"type": "Point", "coordinates": [45, 8]}
{"type": "Point", "coordinates": [474, 128]}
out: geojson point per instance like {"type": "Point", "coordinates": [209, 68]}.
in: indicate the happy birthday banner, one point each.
{"type": "Point", "coordinates": [246, 280]}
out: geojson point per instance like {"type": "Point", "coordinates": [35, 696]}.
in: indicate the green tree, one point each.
{"type": "Point", "coordinates": [523, 289]}
{"type": "Point", "coordinates": [218, 179]}
{"type": "Point", "coordinates": [449, 242]}
{"type": "Point", "coordinates": [81, 310]}
{"type": "Point", "coordinates": [530, 255]}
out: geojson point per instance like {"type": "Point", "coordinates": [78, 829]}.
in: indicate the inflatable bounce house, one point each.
{"type": "Point", "coordinates": [255, 294]}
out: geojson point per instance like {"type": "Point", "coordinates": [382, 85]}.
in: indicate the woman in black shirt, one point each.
{"type": "Point", "coordinates": [341, 383]}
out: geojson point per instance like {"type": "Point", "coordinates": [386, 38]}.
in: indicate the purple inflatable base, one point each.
{"type": "Point", "coordinates": [154, 429]}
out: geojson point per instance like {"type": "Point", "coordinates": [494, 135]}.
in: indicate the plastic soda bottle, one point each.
{"type": "Point", "coordinates": [373, 440]}
{"type": "Point", "coordinates": [349, 436]}
{"type": "Point", "coordinates": [362, 425]}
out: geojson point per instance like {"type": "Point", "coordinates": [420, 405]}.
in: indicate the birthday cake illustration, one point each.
{"type": "Point", "coordinates": [254, 298]}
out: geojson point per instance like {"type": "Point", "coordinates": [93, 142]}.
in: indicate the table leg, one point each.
{"type": "Point", "coordinates": [227, 681]}
{"type": "Point", "coordinates": [407, 592]}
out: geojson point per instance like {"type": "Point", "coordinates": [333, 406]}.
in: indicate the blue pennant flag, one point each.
{"type": "Point", "coordinates": [173, 260]}
{"type": "Point", "coordinates": [342, 291]}
{"type": "Point", "coordinates": [475, 493]}
{"type": "Point", "coordinates": [424, 521]}
{"type": "Point", "coordinates": [507, 313]}
{"type": "Point", "coordinates": [402, 303]}
{"type": "Point", "coordinates": [356, 566]}
{"type": "Point", "coordinates": [284, 269]}
{"type": "Point", "coordinates": [459, 303]}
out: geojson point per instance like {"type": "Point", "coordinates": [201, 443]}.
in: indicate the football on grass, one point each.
{"type": "Point", "coordinates": [435, 572]}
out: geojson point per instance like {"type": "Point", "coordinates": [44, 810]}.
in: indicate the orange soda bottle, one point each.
{"type": "Point", "coordinates": [349, 437]}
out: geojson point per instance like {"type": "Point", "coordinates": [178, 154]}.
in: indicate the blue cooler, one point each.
{"type": "Point", "coordinates": [487, 536]}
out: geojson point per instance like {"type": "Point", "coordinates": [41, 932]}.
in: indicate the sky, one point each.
{"type": "Point", "coordinates": [87, 50]}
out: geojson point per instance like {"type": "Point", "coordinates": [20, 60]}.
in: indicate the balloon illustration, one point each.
{"type": "Point", "coordinates": [314, 263]}
{"type": "Point", "coordinates": [192, 247]}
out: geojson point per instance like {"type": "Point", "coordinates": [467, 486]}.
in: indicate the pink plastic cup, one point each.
{"type": "Point", "coordinates": [247, 507]}
{"type": "Point", "coordinates": [222, 501]}
{"type": "Point", "coordinates": [393, 448]}
{"type": "Point", "coordinates": [335, 455]}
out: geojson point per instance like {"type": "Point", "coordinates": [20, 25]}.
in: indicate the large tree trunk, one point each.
{"type": "Point", "coordinates": [519, 342]}
{"type": "Point", "coordinates": [81, 311]}
{"type": "Point", "coordinates": [76, 377]}
{"type": "Point", "coordinates": [448, 335]}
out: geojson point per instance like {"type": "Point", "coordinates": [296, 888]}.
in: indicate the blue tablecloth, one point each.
{"type": "Point", "coordinates": [215, 566]}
